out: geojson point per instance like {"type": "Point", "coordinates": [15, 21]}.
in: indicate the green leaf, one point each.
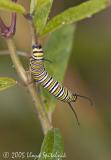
{"type": "Point", "coordinates": [75, 14]}
{"type": "Point", "coordinates": [52, 147]}
{"type": "Point", "coordinates": [8, 5]}
{"type": "Point", "coordinates": [6, 82]}
{"type": "Point", "coordinates": [33, 3]}
{"type": "Point", "coordinates": [58, 50]}
{"type": "Point", "coordinates": [41, 14]}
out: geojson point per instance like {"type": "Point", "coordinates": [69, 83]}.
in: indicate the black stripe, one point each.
{"type": "Point", "coordinates": [68, 99]}
{"type": "Point", "coordinates": [59, 92]}
{"type": "Point", "coordinates": [47, 82]}
{"type": "Point", "coordinates": [37, 65]}
{"type": "Point", "coordinates": [37, 75]}
{"type": "Point", "coordinates": [35, 58]}
{"type": "Point", "coordinates": [56, 89]}
{"type": "Point", "coordinates": [66, 96]}
{"type": "Point", "coordinates": [40, 67]}
{"type": "Point", "coordinates": [43, 76]}
{"type": "Point", "coordinates": [53, 87]}
{"type": "Point", "coordinates": [37, 51]}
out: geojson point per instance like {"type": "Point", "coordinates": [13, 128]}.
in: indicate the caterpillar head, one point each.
{"type": "Point", "coordinates": [38, 46]}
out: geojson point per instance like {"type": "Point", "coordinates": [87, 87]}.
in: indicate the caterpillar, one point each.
{"type": "Point", "coordinates": [40, 75]}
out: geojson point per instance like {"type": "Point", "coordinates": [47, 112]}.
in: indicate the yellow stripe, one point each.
{"type": "Point", "coordinates": [42, 76]}
{"type": "Point", "coordinates": [50, 86]}
{"type": "Point", "coordinates": [64, 95]}
{"type": "Point", "coordinates": [38, 54]}
{"type": "Point", "coordinates": [35, 62]}
{"type": "Point", "coordinates": [46, 80]}
{"type": "Point", "coordinates": [37, 66]}
{"type": "Point", "coordinates": [36, 73]}
{"type": "Point", "coordinates": [57, 90]}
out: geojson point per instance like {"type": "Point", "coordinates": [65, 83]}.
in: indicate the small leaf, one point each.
{"type": "Point", "coordinates": [42, 10]}
{"type": "Point", "coordinates": [33, 3]}
{"type": "Point", "coordinates": [8, 5]}
{"type": "Point", "coordinates": [58, 50]}
{"type": "Point", "coordinates": [6, 82]}
{"type": "Point", "coordinates": [52, 147]}
{"type": "Point", "coordinates": [75, 14]}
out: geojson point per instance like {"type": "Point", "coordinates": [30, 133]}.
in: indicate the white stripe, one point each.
{"type": "Point", "coordinates": [58, 92]}
{"type": "Point", "coordinates": [34, 57]}
{"type": "Point", "coordinates": [37, 49]}
{"type": "Point", "coordinates": [45, 82]}
{"type": "Point", "coordinates": [61, 93]}
{"type": "Point", "coordinates": [39, 58]}
{"type": "Point", "coordinates": [55, 87]}
{"type": "Point", "coordinates": [43, 78]}
{"type": "Point", "coordinates": [49, 83]}
{"type": "Point", "coordinates": [38, 75]}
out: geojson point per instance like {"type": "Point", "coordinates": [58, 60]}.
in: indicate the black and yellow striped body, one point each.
{"type": "Point", "coordinates": [41, 76]}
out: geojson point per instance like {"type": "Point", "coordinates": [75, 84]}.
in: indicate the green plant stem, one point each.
{"type": "Point", "coordinates": [46, 125]}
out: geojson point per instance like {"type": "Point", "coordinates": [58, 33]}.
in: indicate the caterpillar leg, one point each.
{"type": "Point", "coordinates": [74, 113]}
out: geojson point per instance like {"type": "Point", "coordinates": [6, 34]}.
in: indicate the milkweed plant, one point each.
{"type": "Point", "coordinates": [59, 31]}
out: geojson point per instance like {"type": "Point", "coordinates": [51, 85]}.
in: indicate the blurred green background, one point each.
{"type": "Point", "coordinates": [88, 73]}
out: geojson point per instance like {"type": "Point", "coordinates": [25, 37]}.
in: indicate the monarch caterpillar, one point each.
{"type": "Point", "coordinates": [40, 75]}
